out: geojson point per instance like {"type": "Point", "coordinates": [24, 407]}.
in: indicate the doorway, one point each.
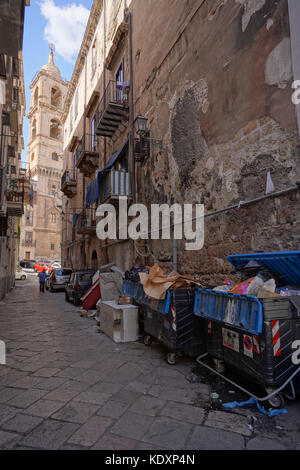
{"type": "Point", "coordinates": [94, 260]}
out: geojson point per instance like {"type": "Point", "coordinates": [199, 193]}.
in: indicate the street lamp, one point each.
{"type": "Point", "coordinates": [141, 125]}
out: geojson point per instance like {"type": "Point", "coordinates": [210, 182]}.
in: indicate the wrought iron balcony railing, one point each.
{"type": "Point", "coordinates": [86, 222]}
{"type": "Point", "coordinates": [69, 183]}
{"type": "Point", "coordinates": [114, 185]}
{"type": "Point", "coordinates": [86, 156]}
{"type": "Point", "coordinates": [15, 197]}
{"type": "Point", "coordinates": [113, 108]}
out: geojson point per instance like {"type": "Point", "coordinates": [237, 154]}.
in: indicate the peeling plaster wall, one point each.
{"type": "Point", "coordinates": [220, 98]}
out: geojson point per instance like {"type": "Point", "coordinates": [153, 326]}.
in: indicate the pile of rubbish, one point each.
{"type": "Point", "coordinates": [156, 283]}
{"type": "Point", "coordinates": [262, 283]}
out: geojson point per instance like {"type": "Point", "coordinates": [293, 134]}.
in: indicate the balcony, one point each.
{"type": "Point", "coordinates": [86, 155]}
{"type": "Point", "coordinates": [113, 109]}
{"type": "Point", "coordinates": [114, 185]}
{"type": "Point", "coordinates": [15, 198]}
{"type": "Point", "coordinates": [86, 222]}
{"type": "Point", "coordinates": [69, 183]}
{"type": "Point", "coordinates": [29, 243]}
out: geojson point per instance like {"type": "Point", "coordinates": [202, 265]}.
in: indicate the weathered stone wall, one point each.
{"type": "Point", "coordinates": [216, 87]}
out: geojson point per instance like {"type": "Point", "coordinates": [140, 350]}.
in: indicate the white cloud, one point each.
{"type": "Point", "coordinates": [65, 26]}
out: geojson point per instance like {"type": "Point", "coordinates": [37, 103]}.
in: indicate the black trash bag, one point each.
{"type": "Point", "coordinates": [133, 274]}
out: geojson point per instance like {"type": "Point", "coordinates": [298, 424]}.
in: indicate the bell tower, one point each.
{"type": "Point", "coordinates": [41, 223]}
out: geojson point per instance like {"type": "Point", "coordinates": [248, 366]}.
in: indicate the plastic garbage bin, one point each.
{"type": "Point", "coordinates": [171, 321]}
{"type": "Point", "coordinates": [254, 337]}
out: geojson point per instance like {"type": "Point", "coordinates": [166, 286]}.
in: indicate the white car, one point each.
{"type": "Point", "coordinates": [20, 275]}
{"type": "Point", "coordinates": [56, 265]}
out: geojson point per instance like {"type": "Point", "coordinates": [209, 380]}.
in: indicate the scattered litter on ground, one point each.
{"type": "Point", "coordinates": [253, 401]}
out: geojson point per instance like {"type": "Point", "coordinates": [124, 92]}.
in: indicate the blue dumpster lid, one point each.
{"type": "Point", "coordinates": [284, 263]}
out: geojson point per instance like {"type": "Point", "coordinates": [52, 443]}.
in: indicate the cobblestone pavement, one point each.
{"type": "Point", "coordinates": [65, 386]}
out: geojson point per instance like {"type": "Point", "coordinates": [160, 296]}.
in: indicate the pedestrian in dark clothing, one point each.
{"type": "Point", "coordinates": [42, 277]}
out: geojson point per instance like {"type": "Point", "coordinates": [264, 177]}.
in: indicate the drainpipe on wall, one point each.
{"type": "Point", "coordinates": [131, 115]}
{"type": "Point", "coordinates": [104, 68]}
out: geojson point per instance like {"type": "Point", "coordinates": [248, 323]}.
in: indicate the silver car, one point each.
{"type": "Point", "coordinates": [58, 279]}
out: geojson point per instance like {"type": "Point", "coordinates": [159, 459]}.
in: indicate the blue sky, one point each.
{"type": "Point", "coordinates": [61, 22]}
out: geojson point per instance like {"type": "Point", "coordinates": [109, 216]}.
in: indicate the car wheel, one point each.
{"type": "Point", "coordinates": [23, 278]}
{"type": "Point", "coordinates": [51, 288]}
{"type": "Point", "coordinates": [76, 301]}
{"type": "Point", "coordinates": [66, 297]}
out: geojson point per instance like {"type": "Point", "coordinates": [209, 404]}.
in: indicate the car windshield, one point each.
{"type": "Point", "coordinates": [63, 272]}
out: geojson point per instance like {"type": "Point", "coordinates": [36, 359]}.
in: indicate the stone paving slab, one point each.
{"type": "Point", "coordinates": [113, 409]}
{"type": "Point", "coordinates": [22, 423]}
{"type": "Point", "coordinates": [147, 405]}
{"type": "Point", "coordinates": [168, 433]}
{"type": "Point", "coordinates": [8, 439]}
{"type": "Point", "coordinates": [185, 413]}
{"type": "Point", "coordinates": [132, 425]}
{"type": "Point", "coordinates": [27, 398]}
{"type": "Point", "coordinates": [228, 422]}
{"type": "Point", "coordinates": [44, 408]}
{"type": "Point", "coordinates": [50, 435]}
{"type": "Point", "coordinates": [114, 442]}
{"type": "Point", "coordinates": [204, 438]}
{"type": "Point", "coordinates": [76, 412]}
{"type": "Point", "coordinates": [91, 431]}
{"type": "Point", "coordinates": [174, 394]}
{"type": "Point", "coordinates": [259, 443]}
{"type": "Point", "coordinates": [8, 393]}
{"type": "Point", "coordinates": [97, 398]}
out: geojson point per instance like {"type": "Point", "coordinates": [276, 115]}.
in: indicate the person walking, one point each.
{"type": "Point", "coordinates": [42, 277]}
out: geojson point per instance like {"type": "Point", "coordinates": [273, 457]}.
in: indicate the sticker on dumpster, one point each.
{"type": "Point", "coordinates": [256, 346]}
{"type": "Point", "coordinates": [231, 339]}
{"type": "Point", "coordinates": [248, 346]}
{"type": "Point", "coordinates": [276, 338]}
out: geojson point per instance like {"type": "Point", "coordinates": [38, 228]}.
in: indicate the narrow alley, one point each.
{"type": "Point", "coordinates": [67, 386]}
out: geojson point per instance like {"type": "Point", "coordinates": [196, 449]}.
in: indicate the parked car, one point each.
{"type": "Point", "coordinates": [80, 282]}
{"type": "Point", "coordinates": [28, 263]}
{"type": "Point", "coordinates": [39, 267]}
{"type": "Point", "coordinates": [58, 279]}
{"type": "Point", "coordinates": [56, 265]}
{"type": "Point", "coordinates": [20, 275]}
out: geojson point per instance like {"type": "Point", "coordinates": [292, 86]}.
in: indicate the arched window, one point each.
{"type": "Point", "coordinates": [33, 129]}
{"type": "Point", "coordinates": [56, 97]}
{"type": "Point", "coordinates": [55, 156]}
{"type": "Point", "coordinates": [55, 129]}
